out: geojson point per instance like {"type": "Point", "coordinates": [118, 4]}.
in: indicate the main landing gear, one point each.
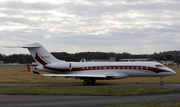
{"type": "Point", "coordinates": [161, 82]}
{"type": "Point", "coordinates": [89, 82]}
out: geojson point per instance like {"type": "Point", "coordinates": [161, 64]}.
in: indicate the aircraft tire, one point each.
{"type": "Point", "coordinates": [161, 83]}
{"type": "Point", "coordinates": [86, 82]}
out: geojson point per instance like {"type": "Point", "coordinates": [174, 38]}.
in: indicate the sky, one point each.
{"type": "Point", "coordinates": [132, 26]}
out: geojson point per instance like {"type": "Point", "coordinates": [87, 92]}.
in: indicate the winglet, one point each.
{"type": "Point", "coordinates": [34, 71]}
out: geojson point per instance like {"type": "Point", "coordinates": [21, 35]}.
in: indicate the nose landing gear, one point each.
{"type": "Point", "coordinates": [161, 81]}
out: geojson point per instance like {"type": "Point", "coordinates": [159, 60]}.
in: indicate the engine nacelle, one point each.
{"type": "Point", "coordinates": [57, 65]}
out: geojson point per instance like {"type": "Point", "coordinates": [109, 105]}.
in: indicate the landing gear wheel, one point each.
{"type": "Point", "coordinates": [86, 82]}
{"type": "Point", "coordinates": [161, 83]}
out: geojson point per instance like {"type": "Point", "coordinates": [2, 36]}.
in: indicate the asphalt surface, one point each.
{"type": "Point", "coordinates": [88, 101]}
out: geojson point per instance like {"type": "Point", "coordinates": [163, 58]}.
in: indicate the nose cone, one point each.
{"type": "Point", "coordinates": [170, 71]}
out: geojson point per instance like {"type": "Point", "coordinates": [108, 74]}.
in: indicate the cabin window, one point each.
{"type": "Point", "coordinates": [123, 67]}
{"type": "Point", "coordinates": [146, 67]}
{"type": "Point", "coordinates": [83, 68]}
{"type": "Point", "coordinates": [141, 67]}
{"type": "Point", "coordinates": [114, 67]}
{"type": "Point", "coordinates": [127, 67]}
{"type": "Point", "coordinates": [87, 68]}
{"type": "Point", "coordinates": [136, 67]}
{"type": "Point", "coordinates": [109, 67]}
{"type": "Point", "coordinates": [118, 67]}
{"type": "Point", "coordinates": [99, 67]}
{"type": "Point", "coordinates": [91, 67]}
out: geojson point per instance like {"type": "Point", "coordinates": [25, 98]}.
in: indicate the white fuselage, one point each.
{"type": "Point", "coordinates": [116, 70]}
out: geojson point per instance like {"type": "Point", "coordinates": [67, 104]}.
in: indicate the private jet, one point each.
{"type": "Point", "coordinates": [92, 71]}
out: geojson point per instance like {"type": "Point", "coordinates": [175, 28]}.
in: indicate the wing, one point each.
{"type": "Point", "coordinates": [75, 75]}
{"type": "Point", "coordinates": [72, 75]}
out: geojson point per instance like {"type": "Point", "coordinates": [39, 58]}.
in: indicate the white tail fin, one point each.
{"type": "Point", "coordinates": [39, 53]}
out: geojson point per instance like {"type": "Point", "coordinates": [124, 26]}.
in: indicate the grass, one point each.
{"type": "Point", "coordinates": [158, 104]}
{"type": "Point", "coordinates": [82, 90]}
{"type": "Point", "coordinates": [15, 74]}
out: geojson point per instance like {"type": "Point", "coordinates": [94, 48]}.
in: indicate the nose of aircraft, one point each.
{"type": "Point", "coordinates": [171, 72]}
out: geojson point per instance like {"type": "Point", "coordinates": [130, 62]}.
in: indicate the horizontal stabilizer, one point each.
{"type": "Point", "coordinates": [34, 45]}
{"type": "Point", "coordinates": [13, 46]}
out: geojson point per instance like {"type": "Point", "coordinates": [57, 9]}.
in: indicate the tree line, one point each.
{"type": "Point", "coordinates": [18, 58]}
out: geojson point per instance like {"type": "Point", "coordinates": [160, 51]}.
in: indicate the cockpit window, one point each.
{"type": "Point", "coordinates": [159, 65]}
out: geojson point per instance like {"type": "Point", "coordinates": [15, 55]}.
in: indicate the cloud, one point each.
{"type": "Point", "coordinates": [23, 5]}
{"type": "Point", "coordinates": [47, 36]}
{"type": "Point", "coordinates": [94, 25]}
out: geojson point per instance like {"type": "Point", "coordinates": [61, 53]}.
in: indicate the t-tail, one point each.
{"type": "Point", "coordinates": [39, 53]}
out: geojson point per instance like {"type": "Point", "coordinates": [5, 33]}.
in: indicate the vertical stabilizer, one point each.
{"type": "Point", "coordinates": [39, 53]}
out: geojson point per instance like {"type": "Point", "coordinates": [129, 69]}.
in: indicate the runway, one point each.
{"type": "Point", "coordinates": [88, 101]}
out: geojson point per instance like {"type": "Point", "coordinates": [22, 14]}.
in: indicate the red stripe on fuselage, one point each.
{"type": "Point", "coordinates": [153, 69]}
